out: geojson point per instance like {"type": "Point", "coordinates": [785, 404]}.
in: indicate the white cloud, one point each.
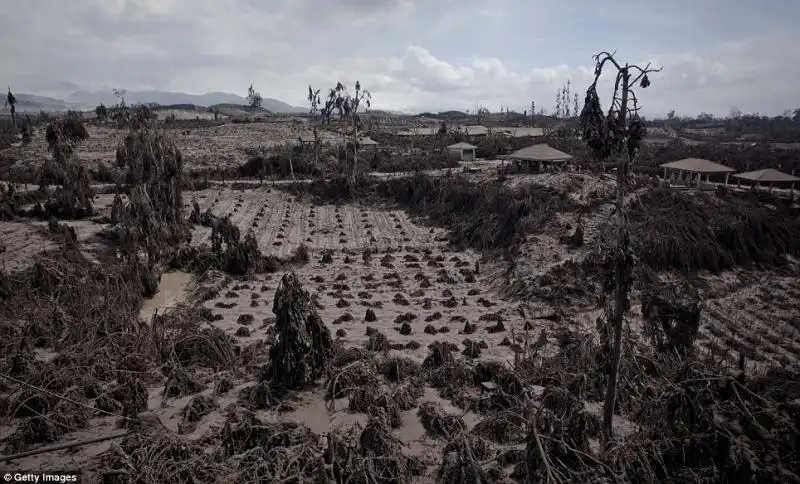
{"type": "Point", "coordinates": [411, 55]}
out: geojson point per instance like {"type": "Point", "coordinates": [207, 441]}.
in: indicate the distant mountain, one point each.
{"type": "Point", "coordinates": [31, 103]}
{"type": "Point", "coordinates": [91, 99]}
{"type": "Point", "coordinates": [87, 100]}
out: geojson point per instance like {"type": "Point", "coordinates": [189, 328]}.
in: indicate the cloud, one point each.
{"type": "Point", "coordinates": [411, 55]}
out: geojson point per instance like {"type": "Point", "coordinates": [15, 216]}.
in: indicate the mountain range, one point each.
{"type": "Point", "coordinates": [84, 100]}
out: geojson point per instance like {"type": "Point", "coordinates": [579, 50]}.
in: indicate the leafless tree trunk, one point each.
{"type": "Point", "coordinates": [601, 135]}
{"type": "Point", "coordinates": [355, 145]}
{"type": "Point", "coordinates": [620, 295]}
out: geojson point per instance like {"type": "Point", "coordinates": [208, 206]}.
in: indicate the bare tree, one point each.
{"type": "Point", "coordinates": [101, 112]}
{"type": "Point", "coordinates": [563, 98]}
{"type": "Point", "coordinates": [119, 112]}
{"type": "Point", "coordinates": [576, 111]}
{"type": "Point", "coordinates": [361, 96]}
{"type": "Point", "coordinates": [11, 102]}
{"type": "Point", "coordinates": [558, 109]}
{"type": "Point", "coordinates": [326, 112]}
{"type": "Point", "coordinates": [348, 105]}
{"type": "Point", "coordinates": [337, 101]}
{"type": "Point", "coordinates": [616, 134]}
{"type": "Point", "coordinates": [314, 102]}
{"type": "Point", "coordinates": [481, 113]}
{"type": "Point", "coordinates": [253, 97]}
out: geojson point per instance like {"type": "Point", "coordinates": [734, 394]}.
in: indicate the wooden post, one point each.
{"type": "Point", "coordinates": [726, 178]}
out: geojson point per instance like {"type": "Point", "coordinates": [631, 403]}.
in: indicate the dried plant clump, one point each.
{"type": "Point", "coordinates": [198, 407]}
{"type": "Point", "coordinates": [377, 341]}
{"type": "Point", "coordinates": [472, 349]}
{"type": "Point", "coordinates": [222, 385]}
{"type": "Point", "coordinates": [672, 320]}
{"type": "Point", "coordinates": [503, 427]}
{"type": "Point", "coordinates": [377, 439]}
{"type": "Point", "coordinates": [345, 356]}
{"type": "Point", "coordinates": [152, 454]}
{"type": "Point", "coordinates": [558, 439]}
{"type": "Point", "coordinates": [398, 369]}
{"type": "Point", "coordinates": [439, 354]}
{"type": "Point", "coordinates": [181, 383]}
{"type": "Point", "coordinates": [359, 373]}
{"type": "Point", "coordinates": [373, 455]}
{"type": "Point", "coordinates": [153, 219]}
{"type": "Point", "coordinates": [438, 423]}
{"type": "Point", "coordinates": [462, 459]}
{"type": "Point", "coordinates": [209, 347]}
{"type": "Point", "coordinates": [245, 319]}
{"type": "Point", "coordinates": [304, 346]}
{"type": "Point", "coordinates": [693, 232]}
{"type": "Point", "coordinates": [260, 396]}
{"type": "Point", "coordinates": [74, 196]}
{"type": "Point", "coordinates": [405, 318]}
{"type": "Point", "coordinates": [236, 255]}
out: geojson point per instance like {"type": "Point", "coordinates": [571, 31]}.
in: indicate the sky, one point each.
{"type": "Point", "coordinates": [412, 55]}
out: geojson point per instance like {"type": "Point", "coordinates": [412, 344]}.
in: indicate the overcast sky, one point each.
{"type": "Point", "coordinates": [411, 54]}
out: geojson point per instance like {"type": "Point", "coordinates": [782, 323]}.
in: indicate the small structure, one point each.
{"type": "Point", "coordinates": [767, 175]}
{"type": "Point", "coordinates": [474, 130]}
{"type": "Point", "coordinates": [688, 168]}
{"type": "Point", "coordinates": [542, 154]}
{"type": "Point", "coordinates": [462, 151]}
{"type": "Point", "coordinates": [522, 132]}
{"type": "Point", "coordinates": [305, 139]}
{"type": "Point", "coordinates": [368, 143]}
{"type": "Point", "coordinates": [420, 131]}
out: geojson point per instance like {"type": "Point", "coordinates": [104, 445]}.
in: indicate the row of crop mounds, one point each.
{"type": "Point", "coordinates": [281, 224]}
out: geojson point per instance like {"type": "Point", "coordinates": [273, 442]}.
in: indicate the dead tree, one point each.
{"type": "Point", "coordinates": [347, 106]}
{"type": "Point", "coordinates": [254, 98]}
{"type": "Point", "coordinates": [11, 102]}
{"type": "Point", "coordinates": [361, 96]}
{"type": "Point", "coordinates": [314, 101]}
{"type": "Point", "coordinates": [617, 134]}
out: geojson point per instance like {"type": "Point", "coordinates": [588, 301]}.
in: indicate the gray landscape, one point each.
{"type": "Point", "coordinates": [400, 242]}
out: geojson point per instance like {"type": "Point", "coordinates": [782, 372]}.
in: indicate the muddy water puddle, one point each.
{"type": "Point", "coordinates": [172, 290]}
